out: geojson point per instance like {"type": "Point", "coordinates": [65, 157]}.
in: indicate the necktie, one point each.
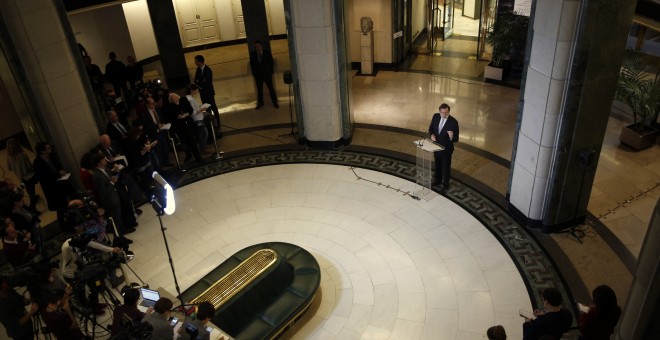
{"type": "Point", "coordinates": [442, 124]}
{"type": "Point", "coordinates": [154, 116]}
{"type": "Point", "coordinates": [259, 58]}
{"type": "Point", "coordinates": [121, 129]}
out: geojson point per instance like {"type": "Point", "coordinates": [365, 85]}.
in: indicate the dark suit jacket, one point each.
{"type": "Point", "coordinates": [114, 133]}
{"type": "Point", "coordinates": [105, 189]}
{"type": "Point", "coordinates": [441, 137]}
{"type": "Point", "coordinates": [205, 81]}
{"type": "Point", "coordinates": [55, 194]}
{"type": "Point", "coordinates": [150, 128]}
{"type": "Point", "coordinates": [263, 69]}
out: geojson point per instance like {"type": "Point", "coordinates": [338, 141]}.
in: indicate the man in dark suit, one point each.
{"type": "Point", "coordinates": [261, 63]}
{"type": "Point", "coordinates": [204, 80]}
{"type": "Point", "coordinates": [444, 132]}
{"type": "Point", "coordinates": [115, 129]}
{"type": "Point", "coordinates": [104, 182]}
{"type": "Point", "coordinates": [152, 121]}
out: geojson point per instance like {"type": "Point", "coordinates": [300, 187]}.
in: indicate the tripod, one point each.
{"type": "Point", "coordinates": [92, 303]}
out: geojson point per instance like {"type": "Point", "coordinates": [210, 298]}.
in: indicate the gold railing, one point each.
{"type": "Point", "coordinates": [232, 283]}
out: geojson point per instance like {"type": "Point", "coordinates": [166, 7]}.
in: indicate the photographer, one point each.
{"type": "Point", "coordinates": [16, 245]}
{"type": "Point", "coordinates": [58, 317]}
{"type": "Point", "coordinates": [26, 221]}
{"type": "Point", "coordinates": [13, 317]}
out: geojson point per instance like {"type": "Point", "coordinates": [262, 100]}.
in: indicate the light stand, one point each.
{"type": "Point", "coordinates": [164, 205]}
{"type": "Point", "coordinates": [218, 154]}
{"type": "Point", "coordinates": [288, 80]}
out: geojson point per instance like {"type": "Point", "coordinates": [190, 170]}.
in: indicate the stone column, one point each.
{"type": "Point", "coordinates": [640, 315]}
{"type": "Point", "coordinates": [51, 76]}
{"type": "Point", "coordinates": [575, 55]}
{"type": "Point", "coordinates": [168, 39]}
{"type": "Point", "coordinates": [256, 23]}
{"type": "Point", "coordinates": [321, 69]}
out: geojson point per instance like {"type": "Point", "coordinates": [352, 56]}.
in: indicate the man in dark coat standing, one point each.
{"type": "Point", "coordinates": [261, 63]}
{"type": "Point", "coordinates": [204, 80]}
{"type": "Point", "coordinates": [444, 132]}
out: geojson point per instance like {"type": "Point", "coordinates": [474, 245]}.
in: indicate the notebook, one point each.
{"type": "Point", "coordinates": [149, 297]}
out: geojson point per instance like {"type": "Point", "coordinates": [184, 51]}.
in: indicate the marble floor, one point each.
{"type": "Point", "coordinates": [392, 267]}
{"type": "Point", "coordinates": [368, 292]}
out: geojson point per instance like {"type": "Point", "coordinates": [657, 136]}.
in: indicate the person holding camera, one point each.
{"type": "Point", "coordinates": [158, 319]}
{"type": "Point", "coordinates": [58, 317]}
{"type": "Point", "coordinates": [17, 322]}
{"type": "Point", "coordinates": [195, 328]}
{"type": "Point", "coordinates": [16, 245]}
{"type": "Point", "coordinates": [26, 221]}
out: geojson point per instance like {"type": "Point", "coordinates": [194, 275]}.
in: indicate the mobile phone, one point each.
{"type": "Point", "coordinates": [173, 321]}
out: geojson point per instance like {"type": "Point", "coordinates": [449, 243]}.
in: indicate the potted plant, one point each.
{"type": "Point", "coordinates": [507, 34]}
{"type": "Point", "coordinates": [640, 90]}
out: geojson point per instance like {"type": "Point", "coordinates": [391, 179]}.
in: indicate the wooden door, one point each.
{"type": "Point", "coordinates": [208, 21]}
{"type": "Point", "coordinates": [190, 28]}
{"type": "Point", "coordinates": [238, 18]}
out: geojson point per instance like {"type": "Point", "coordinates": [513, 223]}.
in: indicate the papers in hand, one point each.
{"type": "Point", "coordinates": [205, 106]}
{"type": "Point", "coordinates": [166, 126]}
{"type": "Point", "coordinates": [64, 177]}
{"type": "Point", "coordinates": [583, 308]}
{"type": "Point", "coordinates": [121, 159]}
{"type": "Point", "coordinates": [526, 314]}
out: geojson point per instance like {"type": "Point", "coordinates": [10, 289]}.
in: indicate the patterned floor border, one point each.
{"type": "Point", "coordinates": [536, 267]}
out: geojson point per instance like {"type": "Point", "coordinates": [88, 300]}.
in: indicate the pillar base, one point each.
{"type": "Point", "coordinates": [538, 224]}
{"type": "Point", "coordinates": [326, 145]}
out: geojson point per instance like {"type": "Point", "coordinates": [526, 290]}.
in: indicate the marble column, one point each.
{"type": "Point", "coordinates": [321, 70]}
{"type": "Point", "coordinates": [168, 40]}
{"type": "Point", "coordinates": [51, 76]}
{"type": "Point", "coordinates": [575, 53]}
{"type": "Point", "coordinates": [642, 310]}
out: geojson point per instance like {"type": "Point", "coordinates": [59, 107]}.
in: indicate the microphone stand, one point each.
{"type": "Point", "coordinates": [158, 207]}
{"type": "Point", "coordinates": [218, 154]}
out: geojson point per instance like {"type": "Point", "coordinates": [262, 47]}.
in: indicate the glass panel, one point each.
{"type": "Point", "coordinates": [448, 19]}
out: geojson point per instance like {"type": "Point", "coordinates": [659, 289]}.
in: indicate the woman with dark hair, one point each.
{"type": "Point", "coordinates": [496, 333]}
{"type": "Point", "coordinates": [602, 317]}
{"type": "Point", "coordinates": [18, 162]}
{"type": "Point", "coordinates": [50, 174]}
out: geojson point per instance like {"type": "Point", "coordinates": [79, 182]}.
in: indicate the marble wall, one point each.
{"type": "Point", "coordinates": [52, 65]}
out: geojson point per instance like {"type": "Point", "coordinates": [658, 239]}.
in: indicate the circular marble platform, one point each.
{"type": "Point", "coordinates": [392, 266]}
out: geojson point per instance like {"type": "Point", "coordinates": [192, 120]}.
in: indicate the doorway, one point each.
{"type": "Point", "coordinates": [198, 22]}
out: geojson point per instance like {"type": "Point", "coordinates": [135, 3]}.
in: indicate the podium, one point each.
{"type": "Point", "coordinates": [424, 176]}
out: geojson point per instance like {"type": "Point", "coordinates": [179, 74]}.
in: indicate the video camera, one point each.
{"type": "Point", "coordinates": [28, 275]}
{"type": "Point", "coordinates": [82, 211]}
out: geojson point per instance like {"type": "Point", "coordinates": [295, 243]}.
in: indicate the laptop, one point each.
{"type": "Point", "coordinates": [149, 297]}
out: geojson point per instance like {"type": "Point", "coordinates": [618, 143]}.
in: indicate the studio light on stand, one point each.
{"type": "Point", "coordinates": [162, 200]}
